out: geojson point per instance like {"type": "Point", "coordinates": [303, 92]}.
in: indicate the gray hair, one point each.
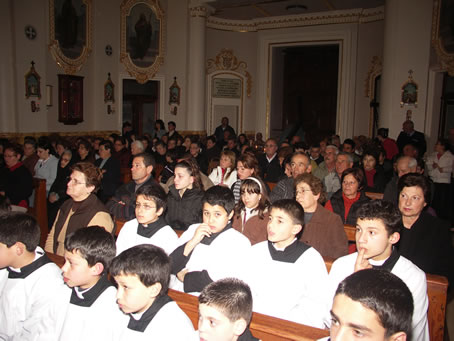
{"type": "Point", "coordinates": [349, 156]}
{"type": "Point", "coordinates": [138, 144]}
{"type": "Point", "coordinates": [332, 146]}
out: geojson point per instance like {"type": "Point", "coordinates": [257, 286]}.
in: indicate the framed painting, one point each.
{"type": "Point", "coordinates": [443, 33]}
{"type": "Point", "coordinates": [142, 38]}
{"type": "Point", "coordinates": [174, 92]}
{"type": "Point", "coordinates": [109, 90]}
{"type": "Point", "coordinates": [32, 83]}
{"type": "Point", "coordinates": [70, 99]}
{"type": "Point", "coordinates": [70, 33]}
{"type": "Point", "coordinates": [409, 91]}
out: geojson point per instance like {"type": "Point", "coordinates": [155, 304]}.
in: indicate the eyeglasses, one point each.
{"type": "Point", "coordinates": [144, 206]}
{"type": "Point", "coordinates": [349, 183]}
{"type": "Point", "coordinates": [75, 181]}
{"type": "Point", "coordinates": [302, 191]}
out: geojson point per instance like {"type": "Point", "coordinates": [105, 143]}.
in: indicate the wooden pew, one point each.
{"type": "Point", "coordinates": [271, 185]}
{"type": "Point", "coordinates": [125, 175]}
{"type": "Point", "coordinates": [270, 328]}
{"type": "Point", "coordinates": [350, 231]}
{"type": "Point", "coordinates": [118, 226]}
{"type": "Point", "coordinates": [374, 196]}
{"type": "Point", "coordinates": [39, 209]}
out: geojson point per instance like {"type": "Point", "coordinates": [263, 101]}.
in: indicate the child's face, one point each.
{"type": "Point", "coordinates": [281, 229]}
{"type": "Point", "coordinates": [371, 235]}
{"type": "Point", "coordinates": [146, 212]}
{"type": "Point", "coordinates": [215, 326]}
{"type": "Point", "coordinates": [250, 200]}
{"type": "Point", "coordinates": [215, 217]}
{"type": "Point", "coordinates": [7, 255]}
{"type": "Point", "coordinates": [242, 171]}
{"type": "Point", "coordinates": [225, 162]}
{"type": "Point", "coordinates": [132, 295]}
{"type": "Point", "coordinates": [351, 320]}
{"type": "Point", "coordinates": [77, 272]}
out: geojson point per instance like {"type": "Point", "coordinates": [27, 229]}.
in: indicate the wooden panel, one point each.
{"type": "Point", "coordinates": [39, 209]}
{"type": "Point", "coordinates": [374, 196]}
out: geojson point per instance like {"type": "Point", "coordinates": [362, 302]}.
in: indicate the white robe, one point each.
{"type": "Point", "coordinates": [170, 323]}
{"type": "Point", "coordinates": [30, 306]}
{"type": "Point", "coordinates": [99, 321]}
{"type": "Point", "coordinates": [166, 238]}
{"type": "Point", "coordinates": [223, 258]}
{"type": "Point", "coordinates": [409, 273]}
{"type": "Point", "coordinates": [290, 291]}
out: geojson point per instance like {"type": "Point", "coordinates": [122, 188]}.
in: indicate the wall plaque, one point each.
{"type": "Point", "coordinates": [227, 88]}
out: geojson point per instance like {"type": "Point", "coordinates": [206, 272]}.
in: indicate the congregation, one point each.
{"type": "Point", "coordinates": [216, 207]}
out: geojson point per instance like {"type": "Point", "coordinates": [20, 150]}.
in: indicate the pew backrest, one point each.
{"type": "Point", "coordinates": [374, 196]}
{"type": "Point", "coordinates": [39, 209]}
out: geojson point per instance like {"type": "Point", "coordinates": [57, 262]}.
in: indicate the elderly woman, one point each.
{"type": "Point", "coordinates": [323, 229]}
{"type": "Point", "coordinates": [81, 210]}
{"type": "Point", "coordinates": [425, 239]}
{"type": "Point", "coordinates": [346, 201]}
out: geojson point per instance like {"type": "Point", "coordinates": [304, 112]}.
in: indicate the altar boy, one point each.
{"type": "Point", "coordinates": [377, 231]}
{"type": "Point", "coordinates": [286, 276]}
{"type": "Point", "coordinates": [32, 293]}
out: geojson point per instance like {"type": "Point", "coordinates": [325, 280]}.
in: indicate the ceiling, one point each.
{"type": "Point", "coordinates": [255, 9]}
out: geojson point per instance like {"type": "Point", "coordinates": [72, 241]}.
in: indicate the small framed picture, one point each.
{"type": "Point", "coordinates": [175, 92]}
{"type": "Point", "coordinates": [32, 83]}
{"type": "Point", "coordinates": [109, 90]}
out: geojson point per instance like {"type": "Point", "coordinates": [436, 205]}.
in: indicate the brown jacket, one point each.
{"type": "Point", "coordinates": [254, 229]}
{"type": "Point", "coordinates": [325, 233]}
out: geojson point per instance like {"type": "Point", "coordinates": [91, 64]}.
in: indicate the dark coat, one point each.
{"type": "Point", "coordinates": [111, 178]}
{"type": "Point", "coordinates": [337, 202]}
{"type": "Point", "coordinates": [17, 183]}
{"type": "Point", "coordinates": [325, 233]}
{"type": "Point", "coordinates": [270, 171]}
{"type": "Point", "coordinates": [379, 181]}
{"type": "Point", "coordinates": [417, 139]}
{"type": "Point", "coordinates": [186, 210]}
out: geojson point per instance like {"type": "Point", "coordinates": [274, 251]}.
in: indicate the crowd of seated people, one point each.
{"type": "Point", "coordinates": [247, 207]}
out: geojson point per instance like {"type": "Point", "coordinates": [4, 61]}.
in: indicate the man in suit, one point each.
{"type": "Point", "coordinates": [219, 132]}
{"type": "Point", "coordinates": [110, 168]}
{"type": "Point", "coordinates": [409, 135]}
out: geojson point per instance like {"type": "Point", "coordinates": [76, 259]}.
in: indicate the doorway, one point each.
{"type": "Point", "coordinates": [141, 105]}
{"type": "Point", "coordinates": [305, 91]}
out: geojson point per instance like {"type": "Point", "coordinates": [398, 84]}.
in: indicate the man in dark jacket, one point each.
{"type": "Point", "coordinates": [409, 135]}
{"type": "Point", "coordinates": [110, 167]}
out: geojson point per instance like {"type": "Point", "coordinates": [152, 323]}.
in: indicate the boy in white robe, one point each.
{"type": "Point", "coordinates": [142, 274]}
{"type": "Point", "coordinates": [377, 231]}
{"type": "Point", "coordinates": [149, 227]}
{"type": "Point", "coordinates": [286, 276]}
{"type": "Point", "coordinates": [92, 313]}
{"type": "Point", "coordinates": [32, 293]}
{"type": "Point", "coordinates": [372, 304]}
{"type": "Point", "coordinates": [225, 311]}
{"type": "Point", "coordinates": [212, 250]}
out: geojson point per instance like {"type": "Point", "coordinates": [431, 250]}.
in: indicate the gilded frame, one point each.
{"type": "Point", "coordinates": [70, 43]}
{"type": "Point", "coordinates": [438, 40]}
{"type": "Point", "coordinates": [142, 51]}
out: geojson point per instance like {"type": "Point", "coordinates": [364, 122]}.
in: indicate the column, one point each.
{"type": "Point", "coordinates": [407, 40]}
{"type": "Point", "coordinates": [196, 120]}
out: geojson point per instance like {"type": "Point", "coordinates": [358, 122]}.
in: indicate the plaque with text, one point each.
{"type": "Point", "coordinates": [227, 88]}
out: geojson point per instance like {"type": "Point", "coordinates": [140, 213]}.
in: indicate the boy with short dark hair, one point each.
{"type": "Point", "coordinates": [211, 250]}
{"type": "Point", "coordinates": [92, 313]}
{"type": "Point", "coordinates": [287, 277]}
{"type": "Point", "coordinates": [377, 231]}
{"type": "Point", "coordinates": [372, 304]}
{"type": "Point", "coordinates": [228, 302]}
{"type": "Point", "coordinates": [142, 274]}
{"type": "Point", "coordinates": [149, 226]}
{"type": "Point", "coordinates": [32, 294]}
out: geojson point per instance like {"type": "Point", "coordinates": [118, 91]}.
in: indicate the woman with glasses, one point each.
{"type": "Point", "coordinates": [82, 209]}
{"type": "Point", "coordinates": [346, 201]}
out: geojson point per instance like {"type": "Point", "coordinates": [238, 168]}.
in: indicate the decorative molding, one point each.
{"type": "Point", "coordinates": [142, 74]}
{"type": "Point", "coordinates": [19, 137]}
{"type": "Point", "coordinates": [375, 69]}
{"type": "Point", "coordinates": [446, 59]}
{"type": "Point", "coordinates": [198, 11]}
{"type": "Point", "coordinates": [69, 65]}
{"type": "Point", "coordinates": [227, 61]}
{"type": "Point", "coordinates": [320, 18]}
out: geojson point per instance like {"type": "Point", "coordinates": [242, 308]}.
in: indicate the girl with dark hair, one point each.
{"type": "Point", "coordinates": [346, 201]}
{"type": "Point", "coordinates": [246, 166]}
{"type": "Point", "coordinates": [184, 202]}
{"type": "Point", "coordinates": [160, 129]}
{"type": "Point", "coordinates": [251, 212]}
{"type": "Point", "coordinates": [47, 165]}
{"type": "Point", "coordinates": [373, 171]}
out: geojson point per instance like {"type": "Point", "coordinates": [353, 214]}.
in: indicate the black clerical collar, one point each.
{"type": "Point", "coordinates": [388, 265]}
{"type": "Point", "coordinates": [30, 268]}
{"type": "Point", "coordinates": [209, 240]}
{"type": "Point", "coordinates": [291, 252]}
{"type": "Point", "coordinates": [92, 294]}
{"type": "Point", "coordinates": [151, 229]}
{"type": "Point", "coordinates": [247, 336]}
{"type": "Point", "coordinates": [142, 324]}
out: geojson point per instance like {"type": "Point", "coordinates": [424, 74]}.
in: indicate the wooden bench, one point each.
{"type": "Point", "coordinates": [125, 175]}
{"type": "Point", "coordinates": [374, 196]}
{"type": "Point", "coordinates": [39, 209]}
{"type": "Point", "coordinates": [270, 328]}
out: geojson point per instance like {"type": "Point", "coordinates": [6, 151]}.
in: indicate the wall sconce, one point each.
{"type": "Point", "coordinates": [49, 95]}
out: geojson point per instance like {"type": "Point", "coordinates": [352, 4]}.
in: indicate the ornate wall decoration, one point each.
{"type": "Point", "coordinates": [409, 91]}
{"type": "Point", "coordinates": [32, 83]}
{"type": "Point", "coordinates": [442, 34]}
{"type": "Point", "coordinates": [325, 18]}
{"type": "Point", "coordinates": [226, 60]}
{"type": "Point", "coordinates": [109, 90]}
{"type": "Point", "coordinates": [375, 69]}
{"type": "Point", "coordinates": [142, 26]}
{"type": "Point", "coordinates": [70, 42]}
